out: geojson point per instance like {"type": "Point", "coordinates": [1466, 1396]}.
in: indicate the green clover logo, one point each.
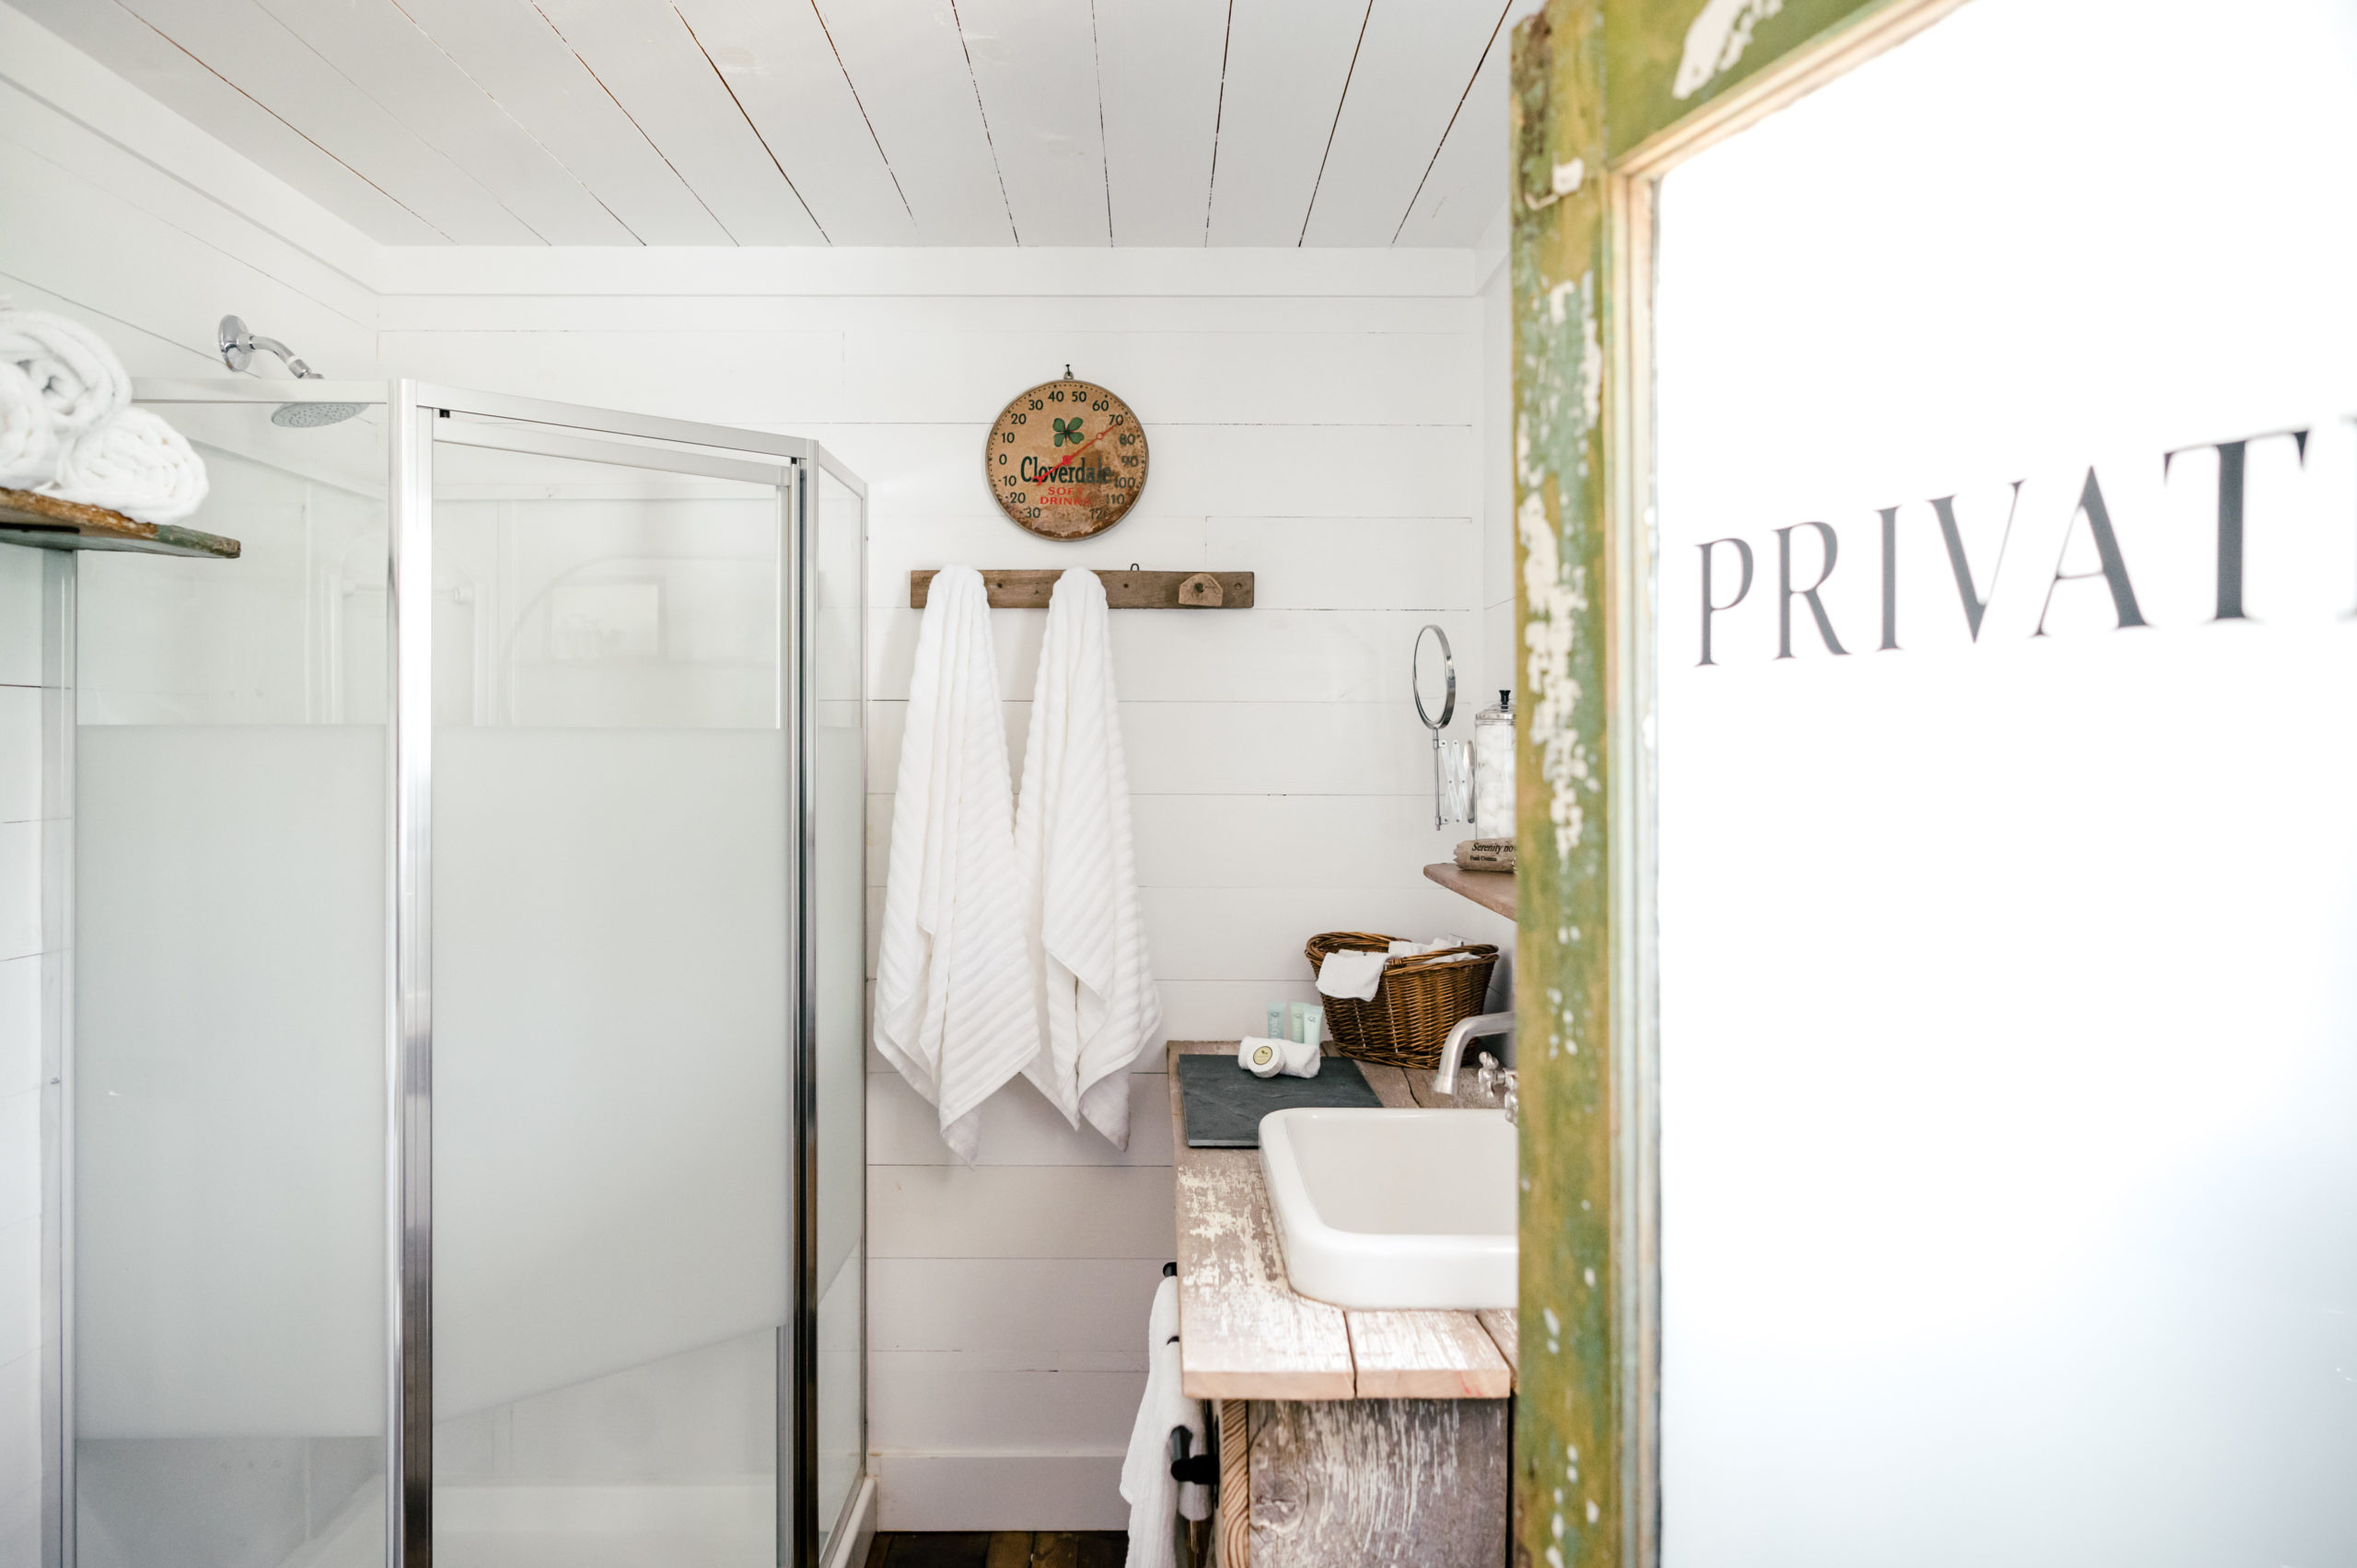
{"type": "Point", "coordinates": [1068, 430]}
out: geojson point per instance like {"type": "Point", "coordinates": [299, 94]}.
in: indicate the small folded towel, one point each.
{"type": "Point", "coordinates": [134, 464]}
{"type": "Point", "coordinates": [1485, 854]}
{"type": "Point", "coordinates": [1265, 1058]}
{"type": "Point", "coordinates": [955, 1011]}
{"type": "Point", "coordinates": [28, 432]}
{"type": "Point", "coordinates": [77, 375]}
{"type": "Point", "coordinates": [1098, 1005]}
{"type": "Point", "coordinates": [1406, 949]}
{"type": "Point", "coordinates": [1351, 975]}
{"type": "Point", "coordinates": [1157, 1501]}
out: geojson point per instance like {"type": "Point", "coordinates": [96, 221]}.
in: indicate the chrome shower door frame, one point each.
{"type": "Point", "coordinates": [422, 416]}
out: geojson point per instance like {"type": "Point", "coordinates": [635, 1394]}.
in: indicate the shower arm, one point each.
{"type": "Point", "coordinates": [238, 345]}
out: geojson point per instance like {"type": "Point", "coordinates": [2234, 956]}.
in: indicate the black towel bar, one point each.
{"type": "Point", "coordinates": [1200, 1468]}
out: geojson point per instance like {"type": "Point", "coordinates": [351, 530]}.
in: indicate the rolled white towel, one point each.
{"type": "Point", "coordinates": [77, 374]}
{"type": "Point", "coordinates": [1265, 1058]}
{"type": "Point", "coordinates": [28, 432]}
{"type": "Point", "coordinates": [134, 464]}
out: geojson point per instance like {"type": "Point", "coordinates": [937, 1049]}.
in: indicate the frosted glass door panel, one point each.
{"type": "Point", "coordinates": [839, 873]}
{"type": "Point", "coordinates": [613, 964]}
{"type": "Point", "coordinates": [608, 1086]}
{"type": "Point", "coordinates": [229, 1019]}
{"type": "Point", "coordinates": [2008, 1014]}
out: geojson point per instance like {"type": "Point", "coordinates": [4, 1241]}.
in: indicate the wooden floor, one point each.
{"type": "Point", "coordinates": [999, 1549]}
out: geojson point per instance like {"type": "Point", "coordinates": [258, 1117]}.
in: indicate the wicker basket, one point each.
{"type": "Point", "coordinates": [1420, 1000]}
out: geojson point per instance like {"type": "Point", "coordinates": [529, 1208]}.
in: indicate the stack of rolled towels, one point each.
{"type": "Point", "coordinates": [67, 427]}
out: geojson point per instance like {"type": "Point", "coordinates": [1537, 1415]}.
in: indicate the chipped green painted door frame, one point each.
{"type": "Point", "coordinates": [1607, 94]}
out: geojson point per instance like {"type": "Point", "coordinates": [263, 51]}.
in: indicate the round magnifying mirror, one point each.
{"type": "Point", "coordinates": [1434, 671]}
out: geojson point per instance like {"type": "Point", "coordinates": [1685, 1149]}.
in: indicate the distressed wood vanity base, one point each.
{"type": "Point", "coordinates": [1346, 1437]}
{"type": "Point", "coordinates": [1402, 1483]}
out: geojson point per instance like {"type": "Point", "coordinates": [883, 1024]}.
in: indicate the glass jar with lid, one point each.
{"type": "Point", "coordinates": [1493, 768]}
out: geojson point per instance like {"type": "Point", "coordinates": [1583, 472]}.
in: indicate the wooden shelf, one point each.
{"type": "Point", "coordinates": [27, 517]}
{"type": "Point", "coordinates": [1490, 889]}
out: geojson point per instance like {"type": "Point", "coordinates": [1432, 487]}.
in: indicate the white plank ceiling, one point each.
{"type": "Point", "coordinates": [1134, 122]}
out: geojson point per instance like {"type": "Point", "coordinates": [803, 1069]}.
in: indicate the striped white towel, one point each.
{"type": "Point", "coordinates": [1072, 839]}
{"type": "Point", "coordinates": [956, 1007]}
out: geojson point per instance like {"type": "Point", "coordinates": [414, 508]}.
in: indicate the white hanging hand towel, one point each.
{"type": "Point", "coordinates": [1156, 1500]}
{"type": "Point", "coordinates": [956, 1005]}
{"type": "Point", "coordinates": [77, 376]}
{"type": "Point", "coordinates": [134, 464]}
{"type": "Point", "coordinates": [28, 432]}
{"type": "Point", "coordinates": [1100, 1007]}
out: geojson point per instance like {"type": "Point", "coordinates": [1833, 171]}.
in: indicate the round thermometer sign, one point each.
{"type": "Point", "coordinates": [1066, 459]}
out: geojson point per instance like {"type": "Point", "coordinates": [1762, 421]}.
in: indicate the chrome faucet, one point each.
{"type": "Point", "coordinates": [1451, 1051]}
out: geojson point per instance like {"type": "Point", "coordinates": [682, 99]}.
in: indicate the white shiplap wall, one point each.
{"type": "Point", "coordinates": [1321, 418]}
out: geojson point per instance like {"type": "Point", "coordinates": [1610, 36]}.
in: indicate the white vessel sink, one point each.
{"type": "Point", "coordinates": [1394, 1208]}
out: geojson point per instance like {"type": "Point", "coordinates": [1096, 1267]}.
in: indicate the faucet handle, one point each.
{"type": "Point", "coordinates": [1498, 1085]}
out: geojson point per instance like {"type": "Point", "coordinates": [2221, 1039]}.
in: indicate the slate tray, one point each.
{"type": "Point", "coordinates": [1223, 1103]}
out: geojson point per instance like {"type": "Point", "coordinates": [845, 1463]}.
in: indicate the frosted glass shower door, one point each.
{"type": "Point", "coordinates": [838, 987]}
{"type": "Point", "coordinates": [228, 1061]}
{"type": "Point", "coordinates": [613, 971]}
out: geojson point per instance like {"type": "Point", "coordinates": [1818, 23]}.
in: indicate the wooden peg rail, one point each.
{"type": "Point", "coordinates": [1029, 589]}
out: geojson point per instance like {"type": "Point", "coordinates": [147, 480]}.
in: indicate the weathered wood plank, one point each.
{"type": "Point", "coordinates": [1029, 588]}
{"type": "Point", "coordinates": [1414, 1087]}
{"type": "Point", "coordinates": [1243, 1333]}
{"type": "Point", "coordinates": [1382, 1483]}
{"type": "Point", "coordinates": [1427, 1355]}
{"type": "Point", "coordinates": [28, 516]}
{"type": "Point", "coordinates": [1567, 800]}
{"type": "Point", "coordinates": [1490, 889]}
{"type": "Point", "coordinates": [1234, 1519]}
{"type": "Point", "coordinates": [1009, 1549]}
{"type": "Point", "coordinates": [1505, 1332]}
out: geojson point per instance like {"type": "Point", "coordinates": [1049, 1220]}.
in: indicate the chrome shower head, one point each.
{"type": "Point", "coordinates": [238, 345]}
{"type": "Point", "coordinates": [310, 416]}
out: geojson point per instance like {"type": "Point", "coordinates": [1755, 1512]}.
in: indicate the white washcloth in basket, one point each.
{"type": "Point", "coordinates": [78, 376]}
{"type": "Point", "coordinates": [28, 432]}
{"type": "Point", "coordinates": [1352, 974]}
{"type": "Point", "coordinates": [134, 464]}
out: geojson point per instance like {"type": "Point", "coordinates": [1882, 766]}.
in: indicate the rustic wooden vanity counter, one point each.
{"type": "Point", "coordinates": [1346, 1437]}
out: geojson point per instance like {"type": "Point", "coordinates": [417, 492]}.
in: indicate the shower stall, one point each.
{"type": "Point", "coordinates": [465, 1105]}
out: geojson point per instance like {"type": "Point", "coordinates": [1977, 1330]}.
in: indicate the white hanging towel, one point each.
{"type": "Point", "coordinates": [956, 1005]}
{"type": "Point", "coordinates": [1156, 1500]}
{"type": "Point", "coordinates": [1071, 837]}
